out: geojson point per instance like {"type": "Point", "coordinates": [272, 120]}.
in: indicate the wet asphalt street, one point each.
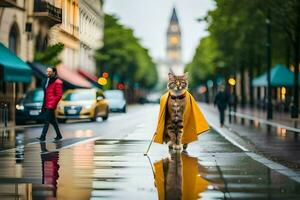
{"type": "Point", "coordinates": [104, 160]}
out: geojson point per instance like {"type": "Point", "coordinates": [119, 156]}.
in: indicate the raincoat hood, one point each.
{"type": "Point", "coordinates": [194, 122]}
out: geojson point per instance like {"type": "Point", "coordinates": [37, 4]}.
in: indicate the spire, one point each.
{"type": "Point", "coordinates": [174, 16]}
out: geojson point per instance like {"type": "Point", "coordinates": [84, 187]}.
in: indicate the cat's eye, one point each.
{"type": "Point", "coordinates": [172, 84]}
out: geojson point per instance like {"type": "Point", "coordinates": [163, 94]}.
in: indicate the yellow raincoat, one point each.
{"type": "Point", "coordinates": [192, 182]}
{"type": "Point", "coordinates": [194, 122]}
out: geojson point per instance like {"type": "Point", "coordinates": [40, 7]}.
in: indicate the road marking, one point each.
{"type": "Point", "coordinates": [73, 144]}
{"type": "Point", "coordinates": [55, 142]}
{"type": "Point", "coordinates": [222, 131]}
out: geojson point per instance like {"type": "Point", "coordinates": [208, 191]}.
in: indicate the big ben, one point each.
{"type": "Point", "coordinates": [174, 39]}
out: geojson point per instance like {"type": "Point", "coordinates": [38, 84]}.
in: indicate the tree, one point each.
{"type": "Point", "coordinates": [124, 58]}
{"type": "Point", "coordinates": [237, 28]}
{"type": "Point", "coordinates": [50, 55]}
{"type": "Point", "coordinates": [286, 15]}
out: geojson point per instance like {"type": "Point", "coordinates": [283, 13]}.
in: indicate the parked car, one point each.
{"type": "Point", "coordinates": [116, 100]}
{"type": "Point", "coordinates": [29, 107]}
{"type": "Point", "coordinates": [82, 104]}
{"type": "Point", "coordinates": [153, 97]}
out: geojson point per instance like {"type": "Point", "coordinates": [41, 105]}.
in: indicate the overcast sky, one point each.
{"type": "Point", "coordinates": [149, 20]}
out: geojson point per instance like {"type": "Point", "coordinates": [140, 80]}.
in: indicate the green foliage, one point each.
{"type": "Point", "coordinates": [205, 61]}
{"type": "Point", "coordinates": [50, 55]}
{"type": "Point", "coordinates": [237, 37]}
{"type": "Point", "coordinates": [123, 57]}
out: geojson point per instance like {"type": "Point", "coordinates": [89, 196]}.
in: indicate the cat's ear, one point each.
{"type": "Point", "coordinates": [171, 73]}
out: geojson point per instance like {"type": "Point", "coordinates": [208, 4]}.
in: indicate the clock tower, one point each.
{"type": "Point", "coordinates": [174, 40]}
{"type": "Point", "coordinates": [173, 57]}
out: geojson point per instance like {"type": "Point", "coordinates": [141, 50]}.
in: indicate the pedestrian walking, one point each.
{"type": "Point", "coordinates": [232, 102]}
{"type": "Point", "coordinates": [221, 100]}
{"type": "Point", "coordinates": [52, 94]}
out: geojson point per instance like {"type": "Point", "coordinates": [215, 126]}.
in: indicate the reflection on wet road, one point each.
{"type": "Point", "coordinates": [179, 176]}
{"type": "Point", "coordinates": [116, 169]}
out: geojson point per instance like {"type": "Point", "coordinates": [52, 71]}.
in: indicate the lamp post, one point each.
{"type": "Point", "coordinates": [232, 99]}
{"type": "Point", "coordinates": [269, 64]}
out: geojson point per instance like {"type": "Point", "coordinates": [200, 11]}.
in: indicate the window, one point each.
{"type": "Point", "coordinates": [38, 42]}
{"type": "Point", "coordinates": [13, 41]}
{"type": "Point", "coordinates": [84, 95]}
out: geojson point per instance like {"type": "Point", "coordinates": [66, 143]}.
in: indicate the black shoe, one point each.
{"type": "Point", "coordinates": [41, 139]}
{"type": "Point", "coordinates": [185, 146]}
{"type": "Point", "coordinates": [57, 138]}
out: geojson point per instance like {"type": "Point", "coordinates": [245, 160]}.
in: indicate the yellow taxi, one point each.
{"type": "Point", "coordinates": [82, 104]}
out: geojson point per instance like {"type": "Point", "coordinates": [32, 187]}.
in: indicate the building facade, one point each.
{"type": "Point", "coordinates": [91, 22]}
{"type": "Point", "coordinates": [29, 26]}
{"type": "Point", "coordinates": [67, 33]}
{"type": "Point", "coordinates": [13, 36]}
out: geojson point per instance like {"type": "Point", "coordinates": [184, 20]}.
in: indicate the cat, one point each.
{"type": "Point", "coordinates": [177, 86]}
{"type": "Point", "coordinates": [172, 167]}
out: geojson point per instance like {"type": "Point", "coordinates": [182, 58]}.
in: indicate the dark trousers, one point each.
{"type": "Point", "coordinates": [49, 118]}
{"type": "Point", "coordinates": [222, 116]}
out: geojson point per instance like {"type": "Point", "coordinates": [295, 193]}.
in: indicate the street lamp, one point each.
{"type": "Point", "coordinates": [269, 64]}
{"type": "Point", "coordinates": [232, 82]}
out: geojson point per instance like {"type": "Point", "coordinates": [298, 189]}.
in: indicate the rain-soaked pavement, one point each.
{"type": "Point", "coordinates": [115, 168]}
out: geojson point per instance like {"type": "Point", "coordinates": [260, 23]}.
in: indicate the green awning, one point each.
{"type": "Point", "coordinates": [280, 76]}
{"type": "Point", "coordinates": [14, 69]}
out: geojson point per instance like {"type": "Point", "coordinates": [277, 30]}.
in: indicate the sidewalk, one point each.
{"type": "Point", "coordinates": [278, 144]}
{"type": "Point", "coordinates": [278, 117]}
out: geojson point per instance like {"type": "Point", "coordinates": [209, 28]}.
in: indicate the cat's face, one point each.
{"type": "Point", "coordinates": [177, 84]}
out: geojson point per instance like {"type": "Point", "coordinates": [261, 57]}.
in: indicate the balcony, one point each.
{"type": "Point", "coordinates": [10, 4]}
{"type": "Point", "coordinates": [47, 12]}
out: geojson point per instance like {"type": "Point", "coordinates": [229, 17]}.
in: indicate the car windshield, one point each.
{"type": "Point", "coordinates": [79, 96]}
{"type": "Point", "coordinates": [34, 96]}
{"type": "Point", "coordinates": [114, 95]}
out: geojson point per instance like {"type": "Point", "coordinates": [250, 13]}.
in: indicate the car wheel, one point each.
{"type": "Point", "coordinates": [124, 109]}
{"type": "Point", "coordinates": [94, 118]}
{"type": "Point", "coordinates": [106, 115]}
{"type": "Point", "coordinates": [19, 122]}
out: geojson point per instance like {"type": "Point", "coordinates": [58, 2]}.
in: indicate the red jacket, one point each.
{"type": "Point", "coordinates": [53, 94]}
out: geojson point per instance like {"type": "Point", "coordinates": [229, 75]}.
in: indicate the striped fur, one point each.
{"type": "Point", "coordinates": [177, 86]}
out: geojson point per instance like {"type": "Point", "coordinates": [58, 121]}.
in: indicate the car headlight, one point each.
{"type": "Point", "coordinates": [88, 107]}
{"type": "Point", "coordinates": [19, 107]}
{"type": "Point", "coordinates": [60, 107]}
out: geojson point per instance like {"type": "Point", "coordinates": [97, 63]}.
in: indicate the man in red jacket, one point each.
{"type": "Point", "coordinates": [52, 94]}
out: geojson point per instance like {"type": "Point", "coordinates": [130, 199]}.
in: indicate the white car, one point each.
{"type": "Point", "coordinates": [116, 100]}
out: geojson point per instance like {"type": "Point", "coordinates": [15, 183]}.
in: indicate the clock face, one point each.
{"type": "Point", "coordinates": [174, 40]}
{"type": "Point", "coordinates": [174, 28]}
